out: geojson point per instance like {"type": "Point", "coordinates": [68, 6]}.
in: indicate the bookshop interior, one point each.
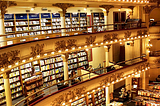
{"type": "Point", "coordinates": [79, 53]}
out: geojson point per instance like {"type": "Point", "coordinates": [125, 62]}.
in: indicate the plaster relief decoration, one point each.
{"type": "Point", "coordinates": [37, 49]}
{"type": "Point", "coordinates": [63, 6]}
{"type": "Point", "coordinates": [107, 8]}
{"type": "Point", "coordinates": [111, 78]}
{"type": "Point", "coordinates": [127, 34]}
{"type": "Point", "coordinates": [9, 58]}
{"type": "Point", "coordinates": [144, 32]}
{"type": "Point", "coordinates": [71, 43]}
{"type": "Point", "coordinates": [139, 33]}
{"type": "Point", "coordinates": [114, 36]}
{"type": "Point", "coordinates": [110, 37]}
{"type": "Point", "coordinates": [154, 62]}
{"type": "Point", "coordinates": [141, 67]}
{"type": "Point", "coordinates": [65, 97]}
{"type": "Point", "coordinates": [148, 9]}
{"type": "Point", "coordinates": [4, 5]}
{"type": "Point", "coordinates": [63, 45]}
{"type": "Point", "coordinates": [90, 40]}
{"type": "Point", "coordinates": [107, 37]}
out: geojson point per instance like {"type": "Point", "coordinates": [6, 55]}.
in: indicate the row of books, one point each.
{"type": "Point", "coordinates": [14, 79]}
{"type": "Point", "coordinates": [13, 74]}
{"type": "Point", "coordinates": [13, 85]}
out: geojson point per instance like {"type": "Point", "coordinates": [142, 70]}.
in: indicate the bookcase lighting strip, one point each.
{"type": "Point", "coordinates": [109, 83]}
{"type": "Point", "coordinates": [24, 61]}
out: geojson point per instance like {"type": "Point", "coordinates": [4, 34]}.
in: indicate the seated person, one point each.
{"type": "Point", "coordinates": [75, 79]}
{"type": "Point", "coordinates": [90, 68]}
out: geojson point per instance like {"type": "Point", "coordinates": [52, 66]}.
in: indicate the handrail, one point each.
{"type": "Point", "coordinates": [14, 39]}
{"type": "Point", "coordinates": [81, 76]}
{"type": "Point", "coordinates": [19, 32]}
{"type": "Point", "coordinates": [154, 53]}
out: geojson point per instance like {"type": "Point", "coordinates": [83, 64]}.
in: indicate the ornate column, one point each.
{"type": "Point", "coordinates": [131, 7]}
{"type": "Point", "coordinates": [107, 8]}
{"type": "Point", "coordinates": [128, 83]}
{"type": "Point", "coordinates": [107, 95]}
{"type": "Point", "coordinates": [65, 65]}
{"type": "Point", "coordinates": [3, 7]}
{"type": "Point", "coordinates": [147, 10]}
{"type": "Point", "coordinates": [64, 7]}
{"type": "Point", "coordinates": [107, 54]}
{"type": "Point", "coordinates": [7, 89]}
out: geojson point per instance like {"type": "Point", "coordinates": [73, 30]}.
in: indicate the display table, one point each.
{"type": "Point", "coordinates": [115, 104]}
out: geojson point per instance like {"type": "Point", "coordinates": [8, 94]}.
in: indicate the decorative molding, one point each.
{"type": "Point", "coordinates": [107, 48]}
{"type": "Point", "coordinates": [127, 34]}
{"type": "Point", "coordinates": [157, 61]}
{"type": "Point", "coordinates": [90, 40]}
{"type": "Point", "coordinates": [65, 57]}
{"type": "Point", "coordinates": [6, 75]}
{"type": "Point", "coordinates": [63, 6]}
{"type": "Point", "coordinates": [148, 9]}
{"type": "Point", "coordinates": [141, 67]}
{"type": "Point", "coordinates": [139, 33]}
{"type": "Point", "coordinates": [4, 5]}
{"type": "Point", "coordinates": [111, 78]}
{"type": "Point", "coordinates": [110, 37]}
{"type": "Point", "coordinates": [71, 43]}
{"type": "Point", "coordinates": [37, 49]}
{"type": "Point", "coordinates": [145, 32]}
{"type": "Point", "coordinates": [60, 45]}
{"type": "Point", "coordinates": [107, 8]}
{"type": "Point", "coordinates": [131, 7]}
{"type": "Point", "coordinates": [9, 58]}
{"type": "Point", "coordinates": [114, 36]}
{"type": "Point", "coordinates": [63, 45]}
{"type": "Point", "coordinates": [107, 37]}
{"type": "Point", "coordinates": [65, 97]}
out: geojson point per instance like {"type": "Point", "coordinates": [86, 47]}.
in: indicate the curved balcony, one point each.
{"type": "Point", "coordinates": [22, 37]}
{"type": "Point", "coordinates": [96, 79]}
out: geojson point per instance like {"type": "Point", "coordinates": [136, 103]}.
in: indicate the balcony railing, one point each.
{"type": "Point", "coordinates": [154, 53]}
{"type": "Point", "coordinates": [26, 36]}
{"type": "Point", "coordinates": [85, 76]}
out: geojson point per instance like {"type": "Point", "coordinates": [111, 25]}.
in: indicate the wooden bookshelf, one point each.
{"type": "Point", "coordinates": [52, 72]}
{"type": "Point", "coordinates": [96, 98]}
{"type": "Point", "coordinates": [98, 19]}
{"type": "Point", "coordinates": [2, 91]}
{"type": "Point", "coordinates": [32, 85]}
{"type": "Point", "coordinates": [56, 22]}
{"type": "Point", "coordinates": [34, 24]}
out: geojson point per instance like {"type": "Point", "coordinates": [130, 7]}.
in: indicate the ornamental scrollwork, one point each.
{"type": "Point", "coordinates": [9, 58]}
{"type": "Point", "coordinates": [107, 37]}
{"type": "Point", "coordinates": [63, 45]}
{"type": "Point", "coordinates": [141, 67]}
{"type": "Point", "coordinates": [139, 33]}
{"type": "Point", "coordinates": [63, 6]}
{"type": "Point", "coordinates": [127, 34]}
{"type": "Point", "coordinates": [4, 5]}
{"type": "Point", "coordinates": [90, 40]}
{"type": "Point", "coordinates": [107, 8]}
{"type": "Point", "coordinates": [65, 97]}
{"type": "Point", "coordinates": [148, 9]}
{"type": "Point", "coordinates": [111, 78]}
{"type": "Point", "coordinates": [110, 37]}
{"type": "Point", "coordinates": [71, 43]}
{"type": "Point", "coordinates": [144, 32]}
{"type": "Point", "coordinates": [37, 49]}
{"type": "Point", "coordinates": [60, 45]}
{"type": "Point", "coordinates": [114, 36]}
